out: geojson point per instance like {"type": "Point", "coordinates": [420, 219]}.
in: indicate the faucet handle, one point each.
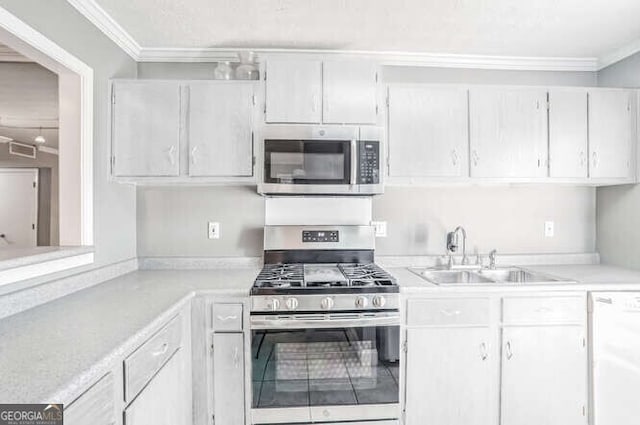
{"type": "Point", "coordinates": [492, 258]}
{"type": "Point", "coordinates": [452, 242]}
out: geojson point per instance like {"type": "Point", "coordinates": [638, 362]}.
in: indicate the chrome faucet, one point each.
{"type": "Point", "coordinates": [452, 245]}
{"type": "Point", "coordinates": [492, 259]}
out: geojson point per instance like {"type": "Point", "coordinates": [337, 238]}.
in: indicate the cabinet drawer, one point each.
{"type": "Point", "coordinates": [96, 406]}
{"type": "Point", "coordinates": [227, 317]}
{"type": "Point", "coordinates": [140, 366]}
{"type": "Point", "coordinates": [448, 311]}
{"type": "Point", "coordinates": [569, 309]}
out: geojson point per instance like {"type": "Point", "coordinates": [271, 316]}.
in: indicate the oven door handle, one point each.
{"type": "Point", "coordinates": [354, 162]}
{"type": "Point", "coordinates": [318, 321]}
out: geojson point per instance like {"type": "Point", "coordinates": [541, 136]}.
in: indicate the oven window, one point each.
{"type": "Point", "coordinates": [325, 367]}
{"type": "Point", "coordinates": [307, 162]}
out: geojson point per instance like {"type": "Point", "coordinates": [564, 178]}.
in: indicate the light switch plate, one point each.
{"type": "Point", "coordinates": [380, 228]}
{"type": "Point", "coordinates": [549, 229]}
{"type": "Point", "coordinates": [214, 230]}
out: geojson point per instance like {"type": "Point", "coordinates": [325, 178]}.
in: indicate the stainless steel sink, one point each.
{"type": "Point", "coordinates": [516, 275]}
{"type": "Point", "coordinates": [507, 275]}
{"type": "Point", "coordinates": [451, 277]}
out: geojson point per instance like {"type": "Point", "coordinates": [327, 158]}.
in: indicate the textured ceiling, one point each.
{"type": "Point", "coordinates": [560, 28]}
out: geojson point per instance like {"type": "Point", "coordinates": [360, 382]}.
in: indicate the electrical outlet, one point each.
{"type": "Point", "coordinates": [549, 229]}
{"type": "Point", "coordinates": [380, 228]}
{"type": "Point", "coordinates": [214, 230]}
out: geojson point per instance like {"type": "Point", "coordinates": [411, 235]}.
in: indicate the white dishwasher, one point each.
{"type": "Point", "coordinates": [615, 327]}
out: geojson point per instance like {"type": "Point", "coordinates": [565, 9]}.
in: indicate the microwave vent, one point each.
{"type": "Point", "coordinates": [20, 149]}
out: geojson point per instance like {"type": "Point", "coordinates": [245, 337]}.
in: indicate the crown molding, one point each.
{"type": "Point", "coordinates": [105, 23]}
{"type": "Point", "coordinates": [619, 54]}
{"type": "Point", "coordinates": [7, 54]}
{"type": "Point", "coordinates": [385, 58]}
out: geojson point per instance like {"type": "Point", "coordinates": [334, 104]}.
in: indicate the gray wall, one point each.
{"type": "Point", "coordinates": [172, 221]}
{"type": "Point", "coordinates": [114, 204]}
{"type": "Point", "coordinates": [509, 219]}
{"type": "Point", "coordinates": [618, 208]}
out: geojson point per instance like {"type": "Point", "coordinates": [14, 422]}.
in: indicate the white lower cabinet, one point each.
{"type": "Point", "coordinates": [501, 360]}
{"type": "Point", "coordinates": [96, 406]}
{"type": "Point", "coordinates": [449, 376]}
{"type": "Point", "coordinates": [164, 401]}
{"type": "Point", "coordinates": [544, 375]}
{"type": "Point", "coordinates": [228, 381]}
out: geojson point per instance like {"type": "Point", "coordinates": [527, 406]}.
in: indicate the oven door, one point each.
{"type": "Point", "coordinates": [314, 368]}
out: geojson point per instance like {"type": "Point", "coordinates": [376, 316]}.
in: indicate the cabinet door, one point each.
{"type": "Point", "coordinates": [544, 375]}
{"type": "Point", "coordinates": [508, 130]}
{"type": "Point", "coordinates": [228, 378]}
{"type": "Point", "coordinates": [449, 377]}
{"type": "Point", "coordinates": [611, 133]}
{"type": "Point", "coordinates": [293, 91]}
{"type": "Point", "coordinates": [350, 92]}
{"type": "Point", "coordinates": [146, 128]}
{"type": "Point", "coordinates": [96, 406]}
{"type": "Point", "coordinates": [220, 129]}
{"type": "Point", "coordinates": [428, 132]}
{"type": "Point", "coordinates": [568, 132]}
{"type": "Point", "coordinates": [165, 400]}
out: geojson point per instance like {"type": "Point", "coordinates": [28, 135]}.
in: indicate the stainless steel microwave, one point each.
{"type": "Point", "coordinates": [331, 160]}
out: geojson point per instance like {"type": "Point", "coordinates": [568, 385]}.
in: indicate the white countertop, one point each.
{"type": "Point", "coordinates": [52, 352]}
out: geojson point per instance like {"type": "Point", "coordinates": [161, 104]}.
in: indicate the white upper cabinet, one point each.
{"type": "Point", "coordinates": [428, 131]}
{"type": "Point", "coordinates": [312, 92]}
{"type": "Point", "coordinates": [293, 91]}
{"type": "Point", "coordinates": [449, 376]}
{"type": "Point", "coordinates": [544, 375]}
{"type": "Point", "coordinates": [220, 129]}
{"type": "Point", "coordinates": [508, 132]}
{"type": "Point", "coordinates": [568, 133]}
{"type": "Point", "coordinates": [611, 133]}
{"type": "Point", "coordinates": [350, 92]}
{"type": "Point", "coordinates": [146, 128]}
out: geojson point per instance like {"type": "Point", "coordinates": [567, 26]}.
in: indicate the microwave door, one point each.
{"type": "Point", "coordinates": [309, 166]}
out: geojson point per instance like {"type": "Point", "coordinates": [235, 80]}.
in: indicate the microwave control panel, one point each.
{"type": "Point", "coordinates": [368, 162]}
{"type": "Point", "coordinates": [320, 236]}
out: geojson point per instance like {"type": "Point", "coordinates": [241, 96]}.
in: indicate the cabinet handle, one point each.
{"type": "Point", "coordinates": [475, 157]}
{"type": "Point", "coordinates": [161, 351]}
{"type": "Point", "coordinates": [508, 351]}
{"type": "Point", "coordinates": [192, 154]}
{"type": "Point", "coordinates": [314, 103]}
{"type": "Point", "coordinates": [236, 357]}
{"type": "Point", "coordinates": [454, 157]}
{"type": "Point", "coordinates": [483, 351]}
{"type": "Point", "coordinates": [450, 313]}
{"type": "Point", "coordinates": [582, 158]}
{"type": "Point", "coordinates": [226, 318]}
{"type": "Point", "coordinates": [171, 155]}
{"type": "Point", "coordinates": [595, 159]}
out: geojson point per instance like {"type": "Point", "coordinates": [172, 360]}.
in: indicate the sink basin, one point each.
{"type": "Point", "coordinates": [450, 277]}
{"type": "Point", "coordinates": [516, 275]}
{"type": "Point", "coordinates": [507, 275]}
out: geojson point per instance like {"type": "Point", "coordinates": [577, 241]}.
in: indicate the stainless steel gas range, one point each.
{"type": "Point", "coordinates": [325, 329]}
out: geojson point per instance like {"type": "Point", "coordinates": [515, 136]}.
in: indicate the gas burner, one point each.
{"type": "Point", "coordinates": [365, 275]}
{"type": "Point", "coordinates": [281, 276]}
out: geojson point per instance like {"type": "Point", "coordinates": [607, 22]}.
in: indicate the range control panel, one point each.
{"type": "Point", "coordinates": [369, 162]}
{"type": "Point", "coordinates": [320, 236]}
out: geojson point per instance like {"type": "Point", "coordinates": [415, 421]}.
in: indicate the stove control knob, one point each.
{"type": "Point", "coordinates": [327, 303]}
{"type": "Point", "coordinates": [291, 303]}
{"type": "Point", "coordinates": [361, 302]}
{"type": "Point", "coordinates": [274, 304]}
{"type": "Point", "coordinates": [379, 301]}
